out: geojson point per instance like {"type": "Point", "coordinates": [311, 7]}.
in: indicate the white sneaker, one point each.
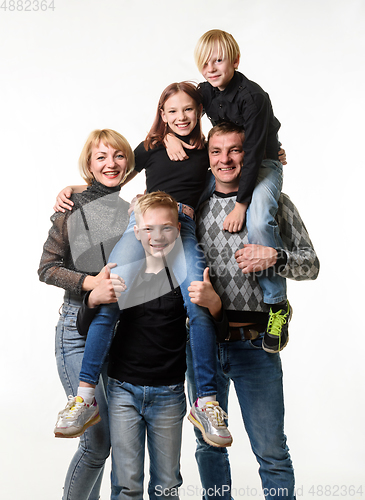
{"type": "Point", "coordinates": [76, 417]}
{"type": "Point", "coordinates": [209, 419]}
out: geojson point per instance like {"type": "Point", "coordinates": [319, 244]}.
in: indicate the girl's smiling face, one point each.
{"type": "Point", "coordinates": [107, 165]}
{"type": "Point", "coordinates": [181, 113]}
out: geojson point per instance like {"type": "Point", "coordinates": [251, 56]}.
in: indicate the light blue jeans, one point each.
{"type": "Point", "coordinates": [262, 227]}
{"type": "Point", "coordinates": [257, 379]}
{"type": "Point", "coordinates": [137, 412]}
{"type": "Point", "coordinates": [188, 266]}
{"type": "Point", "coordinates": [85, 473]}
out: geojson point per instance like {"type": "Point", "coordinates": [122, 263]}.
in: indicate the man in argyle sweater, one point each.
{"type": "Point", "coordinates": [256, 374]}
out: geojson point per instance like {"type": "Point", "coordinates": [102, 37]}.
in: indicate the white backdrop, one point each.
{"type": "Point", "coordinates": [91, 64]}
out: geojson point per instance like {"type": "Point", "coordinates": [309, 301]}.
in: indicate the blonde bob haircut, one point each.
{"type": "Point", "coordinates": [109, 138]}
{"type": "Point", "coordinates": [155, 200]}
{"type": "Point", "coordinates": [227, 47]}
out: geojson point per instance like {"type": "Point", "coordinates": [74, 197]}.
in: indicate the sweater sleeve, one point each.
{"type": "Point", "coordinates": [56, 252]}
{"type": "Point", "coordinates": [302, 262]}
{"type": "Point", "coordinates": [85, 316]}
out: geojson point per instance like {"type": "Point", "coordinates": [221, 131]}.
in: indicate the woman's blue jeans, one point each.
{"type": "Point", "coordinates": [85, 473]}
{"type": "Point", "coordinates": [137, 412]}
{"type": "Point", "coordinates": [258, 382]}
{"type": "Point", "coordinates": [188, 266]}
{"type": "Point", "coordinates": [262, 227]}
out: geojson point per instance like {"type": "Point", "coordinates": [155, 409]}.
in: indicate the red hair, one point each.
{"type": "Point", "coordinates": [160, 129]}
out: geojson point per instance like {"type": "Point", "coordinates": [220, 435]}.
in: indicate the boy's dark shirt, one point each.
{"type": "Point", "coordinates": [246, 104]}
{"type": "Point", "coordinates": [149, 344]}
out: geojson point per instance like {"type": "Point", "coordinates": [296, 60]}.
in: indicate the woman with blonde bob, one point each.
{"type": "Point", "coordinates": [77, 248]}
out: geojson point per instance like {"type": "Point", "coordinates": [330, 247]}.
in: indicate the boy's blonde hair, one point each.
{"type": "Point", "coordinates": [226, 44]}
{"type": "Point", "coordinates": [109, 138]}
{"type": "Point", "coordinates": [156, 199]}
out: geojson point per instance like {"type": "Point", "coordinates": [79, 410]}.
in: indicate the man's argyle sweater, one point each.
{"type": "Point", "coordinates": [242, 292]}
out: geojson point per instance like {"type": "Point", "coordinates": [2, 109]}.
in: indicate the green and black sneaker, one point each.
{"type": "Point", "coordinates": [277, 335]}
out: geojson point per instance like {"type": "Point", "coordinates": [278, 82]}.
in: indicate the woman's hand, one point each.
{"type": "Point", "coordinates": [92, 282]}
{"type": "Point", "coordinates": [203, 294]}
{"type": "Point", "coordinates": [174, 148]}
{"type": "Point", "coordinates": [235, 219]}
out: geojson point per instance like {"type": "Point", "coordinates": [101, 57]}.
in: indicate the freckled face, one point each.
{"type": "Point", "coordinates": [108, 165]}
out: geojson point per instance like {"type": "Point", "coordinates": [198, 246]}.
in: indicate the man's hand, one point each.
{"type": "Point", "coordinates": [108, 289]}
{"type": "Point", "coordinates": [254, 258]}
{"type": "Point", "coordinates": [174, 148]}
{"type": "Point", "coordinates": [203, 294]}
{"type": "Point", "coordinates": [235, 219]}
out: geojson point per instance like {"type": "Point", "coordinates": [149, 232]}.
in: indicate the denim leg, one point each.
{"type": "Point", "coordinates": [164, 414]}
{"type": "Point", "coordinates": [257, 378]}
{"type": "Point", "coordinates": [128, 434]}
{"type": "Point", "coordinates": [202, 330]}
{"type": "Point", "coordinates": [135, 411]}
{"type": "Point", "coordinates": [130, 257]}
{"type": "Point", "coordinates": [85, 472]}
{"type": "Point", "coordinates": [213, 462]}
{"type": "Point", "coordinates": [98, 341]}
{"type": "Point", "coordinates": [263, 228]}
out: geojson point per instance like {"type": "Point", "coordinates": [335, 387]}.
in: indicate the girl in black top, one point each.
{"type": "Point", "coordinates": [179, 111]}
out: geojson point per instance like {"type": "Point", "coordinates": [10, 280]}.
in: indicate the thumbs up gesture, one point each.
{"type": "Point", "coordinates": [203, 294]}
{"type": "Point", "coordinates": [109, 288]}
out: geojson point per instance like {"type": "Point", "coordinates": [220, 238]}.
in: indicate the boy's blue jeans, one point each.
{"type": "Point", "coordinates": [187, 267]}
{"type": "Point", "coordinates": [262, 227]}
{"type": "Point", "coordinates": [258, 381]}
{"type": "Point", "coordinates": [137, 412]}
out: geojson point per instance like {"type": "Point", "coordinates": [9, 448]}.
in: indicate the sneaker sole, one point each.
{"type": "Point", "coordinates": [199, 426]}
{"type": "Point", "coordinates": [90, 423]}
{"type": "Point", "coordinates": [273, 351]}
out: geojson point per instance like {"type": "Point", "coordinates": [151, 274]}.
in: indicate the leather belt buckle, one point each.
{"type": "Point", "coordinates": [242, 333]}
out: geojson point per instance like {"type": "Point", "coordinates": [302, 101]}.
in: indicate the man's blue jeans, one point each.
{"type": "Point", "coordinates": [137, 412]}
{"type": "Point", "coordinates": [85, 473]}
{"type": "Point", "coordinates": [257, 378]}
{"type": "Point", "coordinates": [187, 267]}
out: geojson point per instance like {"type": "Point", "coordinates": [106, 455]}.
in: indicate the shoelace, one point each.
{"type": "Point", "coordinates": [216, 414]}
{"type": "Point", "coordinates": [70, 403]}
{"type": "Point", "coordinates": [276, 322]}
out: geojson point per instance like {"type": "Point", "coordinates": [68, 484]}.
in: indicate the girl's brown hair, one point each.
{"type": "Point", "coordinates": [160, 129]}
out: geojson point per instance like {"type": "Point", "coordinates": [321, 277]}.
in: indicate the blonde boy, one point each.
{"type": "Point", "coordinates": [228, 96]}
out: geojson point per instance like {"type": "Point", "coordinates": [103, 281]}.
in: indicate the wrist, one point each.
{"type": "Point", "coordinates": [216, 309]}
{"type": "Point", "coordinates": [88, 283]}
